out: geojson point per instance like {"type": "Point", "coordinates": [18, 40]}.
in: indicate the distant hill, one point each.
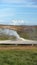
{"type": "Point", "coordinates": [18, 28]}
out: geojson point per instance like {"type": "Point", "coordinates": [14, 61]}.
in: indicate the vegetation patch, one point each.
{"type": "Point", "coordinates": [7, 37]}
{"type": "Point", "coordinates": [18, 57]}
{"type": "Point", "coordinates": [28, 35]}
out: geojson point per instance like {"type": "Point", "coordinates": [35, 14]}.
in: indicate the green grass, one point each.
{"type": "Point", "coordinates": [18, 57]}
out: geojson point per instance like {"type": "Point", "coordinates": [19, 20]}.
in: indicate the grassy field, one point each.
{"type": "Point", "coordinates": [18, 57]}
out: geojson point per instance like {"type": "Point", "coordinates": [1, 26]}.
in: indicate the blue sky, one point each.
{"type": "Point", "coordinates": [18, 12]}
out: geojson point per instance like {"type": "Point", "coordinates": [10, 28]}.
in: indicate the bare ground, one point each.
{"type": "Point", "coordinates": [10, 47]}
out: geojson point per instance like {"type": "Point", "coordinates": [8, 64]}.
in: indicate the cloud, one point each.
{"type": "Point", "coordinates": [25, 5]}
{"type": "Point", "coordinates": [34, 0]}
{"type": "Point", "coordinates": [17, 1]}
{"type": "Point", "coordinates": [17, 22]}
{"type": "Point", "coordinates": [30, 4]}
{"type": "Point", "coordinates": [13, 22]}
{"type": "Point", "coordinates": [6, 13]}
{"type": "Point", "coordinates": [21, 3]}
{"type": "Point", "coordinates": [13, 1]}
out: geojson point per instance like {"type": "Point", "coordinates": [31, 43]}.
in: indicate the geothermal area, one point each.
{"type": "Point", "coordinates": [14, 37]}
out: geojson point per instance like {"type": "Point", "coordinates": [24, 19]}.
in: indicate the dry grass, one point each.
{"type": "Point", "coordinates": [8, 47]}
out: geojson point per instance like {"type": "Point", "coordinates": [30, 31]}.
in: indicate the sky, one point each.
{"type": "Point", "coordinates": [18, 12]}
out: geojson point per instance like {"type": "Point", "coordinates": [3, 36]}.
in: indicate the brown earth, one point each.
{"type": "Point", "coordinates": [17, 28]}
{"type": "Point", "coordinates": [18, 47]}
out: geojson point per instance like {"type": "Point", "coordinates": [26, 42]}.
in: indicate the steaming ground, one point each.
{"type": "Point", "coordinates": [18, 40]}
{"type": "Point", "coordinates": [9, 32]}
